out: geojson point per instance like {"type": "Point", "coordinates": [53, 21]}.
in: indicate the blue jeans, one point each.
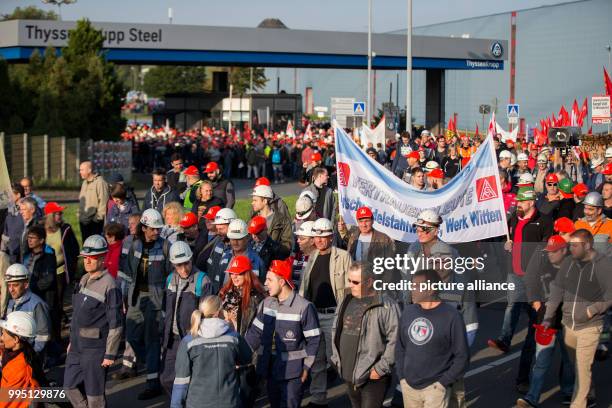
{"type": "Point", "coordinates": [543, 360]}
{"type": "Point", "coordinates": [516, 303]}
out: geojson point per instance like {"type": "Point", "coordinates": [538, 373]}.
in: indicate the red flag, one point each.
{"type": "Point", "coordinates": [476, 134]}
{"type": "Point", "coordinates": [492, 130]}
{"type": "Point", "coordinates": [564, 117]}
{"type": "Point", "coordinates": [452, 126]}
{"type": "Point", "coordinates": [608, 83]}
{"type": "Point", "coordinates": [555, 122]}
{"type": "Point", "coordinates": [584, 112]}
{"type": "Point", "coordinates": [590, 132]}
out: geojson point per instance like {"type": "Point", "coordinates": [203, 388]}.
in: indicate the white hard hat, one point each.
{"type": "Point", "coordinates": [425, 132]}
{"type": "Point", "coordinates": [303, 207]}
{"type": "Point", "coordinates": [94, 245]}
{"type": "Point", "coordinates": [16, 272]}
{"type": "Point", "coordinates": [526, 178]}
{"type": "Point", "coordinates": [152, 218]}
{"type": "Point", "coordinates": [180, 252]}
{"type": "Point", "coordinates": [598, 161]}
{"type": "Point", "coordinates": [305, 229]}
{"type": "Point", "coordinates": [20, 323]}
{"type": "Point", "coordinates": [522, 157]}
{"type": "Point", "coordinates": [322, 228]}
{"type": "Point", "coordinates": [237, 229]}
{"type": "Point", "coordinates": [263, 191]}
{"type": "Point", "coordinates": [542, 158]}
{"type": "Point", "coordinates": [512, 159]}
{"type": "Point", "coordinates": [428, 218]}
{"type": "Point", "coordinates": [593, 199]}
{"type": "Point", "coordinates": [505, 154]}
{"type": "Point", "coordinates": [224, 216]}
{"type": "Point", "coordinates": [431, 165]}
{"type": "Point", "coordinates": [609, 152]}
{"type": "Point", "coordinates": [309, 194]}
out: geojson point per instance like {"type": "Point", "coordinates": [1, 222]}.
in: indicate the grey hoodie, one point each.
{"type": "Point", "coordinates": [206, 374]}
{"type": "Point", "coordinates": [581, 287]}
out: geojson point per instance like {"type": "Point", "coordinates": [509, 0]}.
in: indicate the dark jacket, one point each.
{"type": "Point", "coordinates": [210, 203]}
{"type": "Point", "coordinates": [116, 215]}
{"type": "Point", "coordinates": [206, 374]}
{"type": "Point", "coordinates": [43, 275]}
{"type": "Point", "coordinates": [535, 233]}
{"type": "Point", "coordinates": [12, 234]}
{"type": "Point", "coordinates": [224, 190]}
{"type": "Point", "coordinates": [190, 290]}
{"type": "Point", "coordinates": [280, 231]}
{"type": "Point", "coordinates": [70, 248]}
{"type": "Point", "coordinates": [173, 179]}
{"type": "Point", "coordinates": [270, 251]}
{"type": "Point", "coordinates": [158, 201]}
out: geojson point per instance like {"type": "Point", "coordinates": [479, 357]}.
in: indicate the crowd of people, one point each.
{"type": "Point", "coordinates": [214, 306]}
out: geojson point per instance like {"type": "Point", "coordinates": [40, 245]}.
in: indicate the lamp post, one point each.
{"type": "Point", "coordinates": [409, 70]}
{"type": "Point", "coordinates": [59, 4]}
{"type": "Point", "coordinates": [609, 48]}
{"type": "Point", "coordinates": [369, 100]}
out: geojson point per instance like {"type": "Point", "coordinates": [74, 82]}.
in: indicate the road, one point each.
{"type": "Point", "coordinates": [490, 379]}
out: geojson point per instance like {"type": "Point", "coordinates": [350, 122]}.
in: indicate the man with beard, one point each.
{"type": "Point", "coordinates": [222, 187]}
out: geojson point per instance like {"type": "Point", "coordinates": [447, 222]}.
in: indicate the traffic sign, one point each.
{"type": "Point", "coordinates": [600, 109]}
{"type": "Point", "coordinates": [340, 109]}
{"type": "Point", "coordinates": [513, 110]}
{"type": "Point", "coordinates": [484, 109]}
{"type": "Point", "coordinates": [359, 109]}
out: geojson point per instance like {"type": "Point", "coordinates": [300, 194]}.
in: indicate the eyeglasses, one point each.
{"type": "Point", "coordinates": [354, 282]}
{"type": "Point", "coordinates": [551, 184]}
{"type": "Point", "coordinates": [426, 230]}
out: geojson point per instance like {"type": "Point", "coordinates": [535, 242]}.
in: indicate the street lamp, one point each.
{"type": "Point", "coordinates": [369, 101]}
{"type": "Point", "coordinates": [59, 4]}
{"type": "Point", "coordinates": [409, 70]}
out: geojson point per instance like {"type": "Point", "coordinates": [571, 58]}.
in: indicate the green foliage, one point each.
{"type": "Point", "coordinates": [162, 80]}
{"type": "Point", "coordinates": [77, 95]}
{"type": "Point", "coordinates": [240, 78]}
{"type": "Point", "coordinates": [29, 13]}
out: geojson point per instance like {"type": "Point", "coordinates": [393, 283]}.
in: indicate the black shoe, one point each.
{"type": "Point", "coordinates": [566, 400]}
{"type": "Point", "coordinates": [124, 373]}
{"type": "Point", "coordinates": [499, 345]}
{"type": "Point", "coordinates": [522, 388]}
{"type": "Point", "coordinates": [149, 393]}
{"type": "Point", "coordinates": [524, 403]}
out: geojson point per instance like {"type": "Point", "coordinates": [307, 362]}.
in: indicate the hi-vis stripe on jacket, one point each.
{"type": "Point", "coordinates": [288, 332]}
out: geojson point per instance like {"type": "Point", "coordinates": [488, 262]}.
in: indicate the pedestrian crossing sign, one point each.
{"type": "Point", "coordinates": [359, 109]}
{"type": "Point", "coordinates": [513, 110]}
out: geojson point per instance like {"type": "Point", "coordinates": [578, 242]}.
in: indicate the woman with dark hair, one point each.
{"type": "Point", "coordinates": [21, 367]}
{"type": "Point", "coordinates": [123, 208]}
{"type": "Point", "coordinates": [240, 298]}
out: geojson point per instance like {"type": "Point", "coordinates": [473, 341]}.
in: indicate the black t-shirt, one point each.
{"type": "Point", "coordinates": [349, 335]}
{"type": "Point", "coordinates": [321, 292]}
{"type": "Point", "coordinates": [320, 204]}
{"type": "Point", "coordinates": [142, 278]}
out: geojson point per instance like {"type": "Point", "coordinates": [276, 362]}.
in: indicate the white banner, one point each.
{"type": "Point", "coordinates": [471, 204]}
{"type": "Point", "coordinates": [373, 136]}
{"type": "Point", "coordinates": [6, 191]}
{"type": "Point", "coordinates": [504, 135]}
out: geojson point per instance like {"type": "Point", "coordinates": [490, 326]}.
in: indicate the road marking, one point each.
{"type": "Point", "coordinates": [493, 364]}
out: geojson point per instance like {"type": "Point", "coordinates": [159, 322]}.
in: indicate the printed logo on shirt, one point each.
{"type": "Point", "coordinates": [289, 335]}
{"type": "Point", "coordinates": [420, 331]}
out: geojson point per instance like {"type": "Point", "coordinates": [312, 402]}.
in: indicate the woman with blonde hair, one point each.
{"type": "Point", "coordinates": [208, 361]}
{"type": "Point", "coordinates": [172, 214]}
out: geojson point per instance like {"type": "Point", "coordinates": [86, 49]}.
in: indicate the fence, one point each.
{"type": "Point", "coordinates": [58, 158]}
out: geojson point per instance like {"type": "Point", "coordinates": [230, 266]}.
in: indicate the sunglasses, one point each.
{"type": "Point", "coordinates": [426, 230]}
{"type": "Point", "coordinates": [354, 282]}
{"type": "Point", "coordinates": [551, 184]}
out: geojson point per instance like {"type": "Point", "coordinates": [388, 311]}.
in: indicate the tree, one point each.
{"type": "Point", "coordinates": [240, 78]}
{"type": "Point", "coordinates": [29, 13]}
{"type": "Point", "coordinates": [162, 80]}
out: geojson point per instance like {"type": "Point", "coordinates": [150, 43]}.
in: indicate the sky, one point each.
{"type": "Point", "coordinates": [334, 15]}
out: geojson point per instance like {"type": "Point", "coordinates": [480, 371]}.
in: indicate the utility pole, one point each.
{"type": "Point", "coordinates": [409, 70]}
{"type": "Point", "coordinates": [369, 97]}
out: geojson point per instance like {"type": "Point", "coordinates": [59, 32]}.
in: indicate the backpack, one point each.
{"type": "Point", "coordinates": [276, 156]}
{"type": "Point", "coordinates": [198, 286]}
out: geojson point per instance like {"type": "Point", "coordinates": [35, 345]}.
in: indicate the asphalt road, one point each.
{"type": "Point", "coordinates": [490, 380]}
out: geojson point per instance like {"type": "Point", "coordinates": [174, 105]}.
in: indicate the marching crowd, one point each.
{"type": "Point", "coordinates": [214, 306]}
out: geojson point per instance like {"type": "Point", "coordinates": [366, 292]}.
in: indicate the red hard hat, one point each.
{"type": "Point", "coordinates": [580, 189]}
{"type": "Point", "coordinates": [544, 335]}
{"type": "Point", "coordinates": [212, 212]}
{"type": "Point", "coordinates": [53, 207]}
{"type": "Point", "coordinates": [607, 170]}
{"type": "Point", "coordinates": [239, 264]}
{"type": "Point", "coordinates": [564, 224]}
{"type": "Point", "coordinates": [552, 178]}
{"type": "Point", "coordinates": [413, 155]}
{"type": "Point", "coordinates": [282, 269]}
{"type": "Point", "coordinates": [555, 243]}
{"type": "Point", "coordinates": [436, 173]}
{"type": "Point", "coordinates": [364, 212]}
{"type": "Point", "coordinates": [211, 167]}
{"type": "Point", "coordinates": [257, 224]}
{"type": "Point", "coordinates": [188, 220]}
{"type": "Point", "coordinates": [316, 157]}
{"type": "Point", "coordinates": [191, 171]}
{"type": "Point", "coordinates": [262, 181]}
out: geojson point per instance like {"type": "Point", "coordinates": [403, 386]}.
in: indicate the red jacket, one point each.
{"type": "Point", "coordinates": [111, 262]}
